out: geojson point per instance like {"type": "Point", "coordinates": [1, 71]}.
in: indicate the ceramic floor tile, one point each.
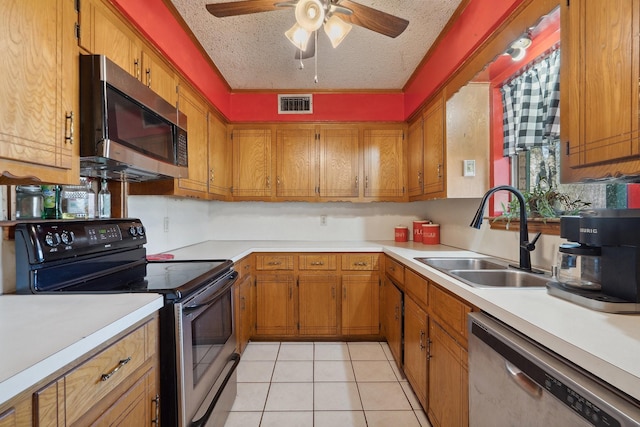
{"type": "Point", "coordinates": [287, 419]}
{"type": "Point", "coordinates": [331, 351]}
{"type": "Point", "coordinates": [387, 350]}
{"type": "Point", "coordinates": [262, 351]}
{"type": "Point", "coordinates": [333, 370]}
{"type": "Point", "coordinates": [296, 351]}
{"type": "Point", "coordinates": [373, 370]}
{"type": "Point", "coordinates": [336, 397]}
{"type": "Point", "coordinates": [339, 419]}
{"type": "Point", "coordinates": [383, 397]}
{"type": "Point", "coordinates": [254, 371]}
{"type": "Point", "coordinates": [293, 371]}
{"type": "Point", "coordinates": [243, 419]}
{"type": "Point", "coordinates": [250, 397]}
{"type": "Point", "coordinates": [366, 351]}
{"type": "Point", "coordinates": [391, 418]}
{"type": "Point", "coordinates": [398, 373]}
{"type": "Point", "coordinates": [411, 396]}
{"type": "Point", "coordinates": [422, 418]}
{"type": "Point", "coordinates": [290, 397]}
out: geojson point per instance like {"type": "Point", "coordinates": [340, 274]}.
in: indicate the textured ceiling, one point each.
{"type": "Point", "coordinates": [252, 52]}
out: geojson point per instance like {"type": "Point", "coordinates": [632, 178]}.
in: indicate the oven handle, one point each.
{"type": "Point", "coordinates": [235, 357]}
{"type": "Point", "coordinates": [231, 279]}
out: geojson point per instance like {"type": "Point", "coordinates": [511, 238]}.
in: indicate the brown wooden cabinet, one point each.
{"type": "Point", "coordinates": [318, 304]}
{"type": "Point", "coordinates": [384, 164]}
{"type": "Point", "coordinates": [360, 303]}
{"type": "Point", "coordinates": [220, 153]}
{"type": "Point", "coordinates": [296, 169]}
{"type": "Point", "coordinates": [195, 108]}
{"type": "Point", "coordinates": [416, 351]}
{"type": "Point", "coordinates": [448, 379]}
{"type": "Point", "coordinates": [251, 163]}
{"type": "Point", "coordinates": [39, 112]}
{"type": "Point", "coordinates": [339, 167]}
{"type": "Point", "coordinates": [118, 385]}
{"type": "Point", "coordinates": [391, 317]}
{"type": "Point", "coordinates": [244, 294]}
{"type": "Point", "coordinates": [276, 295]}
{"type": "Point", "coordinates": [415, 165]}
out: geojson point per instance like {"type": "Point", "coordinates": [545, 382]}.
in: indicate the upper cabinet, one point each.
{"type": "Point", "coordinates": [219, 159]}
{"type": "Point", "coordinates": [383, 163]}
{"type": "Point", "coordinates": [251, 163]}
{"type": "Point", "coordinates": [39, 91]}
{"type": "Point", "coordinates": [340, 162]}
{"type": "Point", "coordinates": [600, 84]}
{"type": "Point", "coordinates": [296, 171]}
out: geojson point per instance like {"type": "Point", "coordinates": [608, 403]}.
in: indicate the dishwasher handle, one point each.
{"type": "Point", "coordinates": [523, 381]}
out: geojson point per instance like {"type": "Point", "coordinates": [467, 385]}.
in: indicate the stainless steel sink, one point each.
{"type": "Point", "coordinates": [447, 264]}
{"type": "Point", "coordinates": [501, 278]}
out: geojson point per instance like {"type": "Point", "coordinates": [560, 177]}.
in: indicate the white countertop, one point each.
{"type": "Point", "coordinates": [608, 345]}
{"type": "Point", "coordinates": [40, 334]}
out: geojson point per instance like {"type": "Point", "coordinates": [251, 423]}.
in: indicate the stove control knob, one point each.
{"type": "Point", "coordinates": [140, 230]}
{"type": "Point", "coordinates": [67, 237]}
{"type": "Point", "coordinates": [52, 239]}
{"type": "Point", "coordinates": [133, 231]}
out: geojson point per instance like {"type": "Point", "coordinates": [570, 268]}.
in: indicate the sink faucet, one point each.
{"type": "Point", "coordinates": [526, 247]}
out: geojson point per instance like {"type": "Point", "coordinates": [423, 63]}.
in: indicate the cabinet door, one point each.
{"type": "Point", "coordinates": [447, 379]}
{"type": "Point", "coordinates": [360, 304]}
{"type": "Point", "coordinates": [275, 296]}
{"type": "Point", "coordinates": [434, 143]}
{"type": "Point", "coordinates": [415, 349]}
{"type": "Point", "coordinates": [39, 90]}
{"type": "Point", "coordinates": [391, 318]}
{"type": "Point", "coordinates": [318, 304]}
{"type": "Point", "coordinates": [251, 163]}
{"type": "Point", "coordinates": [339, 162]}
{"type": "Point", "coordinates": [296, 175]}
{"type": "Point", "coordinates": [196, 111]}
{"type": "Point", "coordinates": [244, 311]}
{"type": "Point", "coordinates": [603, 79]}
{"type": "Point", "coordinates": [158, 76]}
{"type": "Point", "coordinates": [383, 164]}
{"type": "Point", "coordinates": [48, 405]}
{"type": "Point", "coordinates": [415, 179]}
{"type": "Point", "coordinates": [219, 158]}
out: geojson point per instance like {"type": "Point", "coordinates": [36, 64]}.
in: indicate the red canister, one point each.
{"type": "Point", "coordinates": [431, 234]}
{"type": "Point", "coordinates": [401, 233]}
{"type": "Point", "coordinates": [417, 230]}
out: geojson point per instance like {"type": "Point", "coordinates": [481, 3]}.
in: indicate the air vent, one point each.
{"type": "Point", "coordinates": [295, 104]}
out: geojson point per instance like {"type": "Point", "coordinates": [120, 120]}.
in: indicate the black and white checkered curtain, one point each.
{"type": "Point", "coordinates": [531, 116]}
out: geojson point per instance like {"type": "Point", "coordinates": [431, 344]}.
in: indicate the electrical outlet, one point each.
{"type": "Point", "coordinates": [166, 224]}
{"type": "Point", "coordinates": [323, 220]}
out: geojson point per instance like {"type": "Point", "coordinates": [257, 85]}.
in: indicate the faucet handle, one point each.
{"type": "Point", "coordinates": [530, 246]}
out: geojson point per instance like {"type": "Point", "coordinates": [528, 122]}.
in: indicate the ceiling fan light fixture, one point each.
{"type": "Point", "coordinates": [298, 36]}
{"type": "Point", "coordinates": [310, 14]}
{"type": "Point", "coordinates": [517, 53]}
{"type": "Point", "coordinates": [336, 29]}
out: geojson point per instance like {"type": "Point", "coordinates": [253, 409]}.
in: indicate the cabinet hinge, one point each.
{"type": "Point", "coordinates": [403, 135]}
{"type": "Point", "coordinates": [77, 31]}
{"type": "Point", "coordinates": [77, 5]}
{"type": "Point", "coordinates": [298, 325]}
{"type": "Point", "coordinates": [568, 3]}
{"type": "Point", "coordinates": [298, 282]}
{"type": "Point", "coordinates": [231, 189]}
{"type": "Point", "coordinates": [231, 136]}
{"type": "Point", "coordinates": [568, 148]}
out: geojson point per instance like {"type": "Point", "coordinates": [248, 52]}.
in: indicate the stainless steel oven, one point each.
{"type": "Point", "coordinates": [197, 332]}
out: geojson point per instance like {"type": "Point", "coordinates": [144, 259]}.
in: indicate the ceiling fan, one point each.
{"type": "Point", "coordinates": [337, 16]}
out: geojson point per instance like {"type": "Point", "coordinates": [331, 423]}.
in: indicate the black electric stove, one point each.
{"type": "Point", "coordinates": [102, 256]}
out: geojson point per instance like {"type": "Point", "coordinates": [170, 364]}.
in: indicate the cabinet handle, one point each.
{"type": "Point", "coordinates": [156, 401]}
{"type": "Point", "coordinates": [317, 263]}
{"type": "Point", "coordinates": [136, 68]}
{"type": "Point", "coordinates": [366, 181]}
{"type": "Point", "coordinates": [68, 123]}
{"type": "Point", "coordinates": [420, 177]}
{"type": "Point", "coordinates": [357, 182]}
{"type": "Point", "coordinates": [422, 346]}
{"type": "Point", "coordinates": [429, 349]}
{"type": "Point", "coordinates": [278, 181]}
{"type": "Point", "coordinates": [148, 73]}
{"type": "Point", "coordinates": [123, 362]}
{"type": "Point", "coordinates": [439, 170]}
{"type": "Point", "coordinates": [268, 182]}
{"type": "Point", "coordinates": [243, 305]}
{"type": "Point", "coordinates": [274, 263]}
{"type": "Point", "coordinates": [344, 292]}
{"type": "Point", "coordinates": [211, 176]}
{"type": "Point", "coordinates": [360, 264]}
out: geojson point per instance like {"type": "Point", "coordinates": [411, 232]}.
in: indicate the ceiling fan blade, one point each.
{"type": "Point", "coordinates": [311, 49]}
{"type": "Point", "coordinates": [374, 20]}
{"type": "Point", "coordinates": [222, 10]}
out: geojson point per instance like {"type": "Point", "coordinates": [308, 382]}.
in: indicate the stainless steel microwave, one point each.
{"type": "Point", "coordinates": [127, 131]}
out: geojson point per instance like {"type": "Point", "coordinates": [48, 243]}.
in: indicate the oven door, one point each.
{"type": "Point", "coordinates": [206, 344]}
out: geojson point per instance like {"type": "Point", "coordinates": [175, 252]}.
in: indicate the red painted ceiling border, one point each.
{"type": "Point", "coordinates": [475, 23]}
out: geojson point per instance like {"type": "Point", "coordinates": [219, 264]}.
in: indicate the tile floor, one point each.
{"type": "Point", "coordinates": [332, 384]}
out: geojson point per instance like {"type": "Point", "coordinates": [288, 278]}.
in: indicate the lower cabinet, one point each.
{"type": "Point", "coordinates": [391, 317]}
{"type": "Point", "coordinates": [275, 304]}
{"type": "Point", "coordinates": [448, 380]}
{"type": "Point", "coordinates": [318, 302]}
{"type": "Point", "coordinates": [416, 351]}
{"type": "Point", "coordinates": [244, 304]}
{"type": "Point", "coordinates": [117, 386]}
{"type": "Point", "coordinates": [360, 302]}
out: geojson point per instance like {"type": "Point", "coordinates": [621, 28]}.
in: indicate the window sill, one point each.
{"type": "Point", "coordinates": [550, 226]}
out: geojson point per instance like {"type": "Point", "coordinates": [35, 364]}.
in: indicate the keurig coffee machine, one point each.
{"type": "Point", "coordinates": [610, 240]}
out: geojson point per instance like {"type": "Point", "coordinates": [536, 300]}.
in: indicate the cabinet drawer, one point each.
{"type": "Point", "coordinates": [449, 310]}
{"type": "Point", "coordinates": [274, 262]}
{"type": "Point", "coordinates": [317, 262]}
{"type": "Point", "coordinates": [394, 270]}
{"type": "Point", "coordinates": [243, 267]}
{"type": "Point", "coordinates": [417, 287]}
{"type": "Point", "coordinates": [93, 380]}
{"type": "Point", "coordinates": [360, 261]}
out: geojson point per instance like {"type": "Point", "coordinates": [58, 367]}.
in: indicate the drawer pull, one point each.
{"type": "Point", "coordinates": [360, 264]}
{"type": "Point", "coordinates": [116, 369]}
{"type": "Point", "coordinates": [317, 263]}
{"type": "Point", "coordinates": [274, 263]}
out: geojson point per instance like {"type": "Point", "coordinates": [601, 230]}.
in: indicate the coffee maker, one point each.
{"type": "Point", "coordinates": [616, 233]}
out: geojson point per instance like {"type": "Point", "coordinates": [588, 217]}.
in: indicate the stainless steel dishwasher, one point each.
{"type": "Point", "coordinates": [514, 381]}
